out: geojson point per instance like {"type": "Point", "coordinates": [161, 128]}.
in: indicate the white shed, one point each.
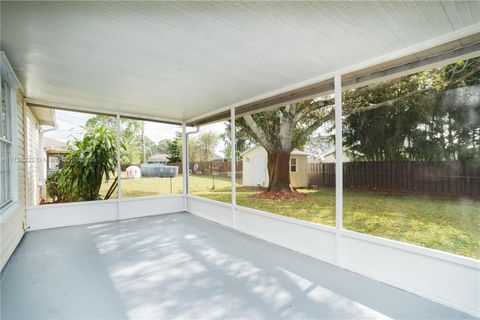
{"type": "Point", "coordinates": [255, 171]}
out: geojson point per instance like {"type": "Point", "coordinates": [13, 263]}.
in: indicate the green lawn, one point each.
{"type": "Point", "coordinates": [143, 187]}
{"type": "Point", "coordinates": [448, 225]}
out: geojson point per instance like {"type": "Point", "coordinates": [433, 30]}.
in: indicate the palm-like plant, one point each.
{"type": "Point", "coordinates": [89, 160]}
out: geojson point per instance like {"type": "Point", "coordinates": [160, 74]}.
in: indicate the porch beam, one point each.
{"type": "Point", "coordinates": [398, 69]}
{"type": "Point", "coordinates": [32, 102]}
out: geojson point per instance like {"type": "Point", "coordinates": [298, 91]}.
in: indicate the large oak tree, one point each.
{"type": "Point", "coordinates": [283, 129]}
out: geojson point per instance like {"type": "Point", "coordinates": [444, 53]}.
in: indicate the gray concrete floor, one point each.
{"type": "Point", "coordinates": [181, 266]}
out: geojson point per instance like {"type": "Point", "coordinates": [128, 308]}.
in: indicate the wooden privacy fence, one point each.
{"type": "Point", "coordinates": [456, 178]}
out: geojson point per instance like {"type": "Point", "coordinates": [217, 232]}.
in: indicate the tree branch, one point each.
{"type": "Point", "coordinates": [392, 102]}
{"type": "Point", "coordinates": [446, 93]}
{"type": "Point", "coordinates": [296, 141]}
{"type": "Point", "coordinates": [388, 103]}
{"type": "Point", "coordinates": [366, 90]}
{"type": "Point", "coordinates": [312, 107]}
{"type": "Point", "coordinates": [259, 134]}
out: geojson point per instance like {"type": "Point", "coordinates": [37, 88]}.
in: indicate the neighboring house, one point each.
{"type": "Point", "coordinates": [51, 143]}
{"type": "Point", "coordinates": [330, 156]}
{"type": "Point", "coordinates": [314, 159]}
{"type": "Point", "coordinates": [159, 158]}
{"type": "Point", "coordinates": [36, 119]}
{"type": "Point", "coordinates": [218, 158]}
{"type": "Point", "coordinates": [255, 171]}
{"type": "Point", "coordinates": [55, 150]}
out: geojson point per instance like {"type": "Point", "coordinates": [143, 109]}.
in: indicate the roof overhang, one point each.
{"type": "Point", "coordinates": [56, 151]}
{"type": "Point", "coordinates": [44, 116]}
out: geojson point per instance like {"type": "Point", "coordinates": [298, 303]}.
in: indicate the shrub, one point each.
{"type": "Point", "coordinates": [54, 191]}
{"type": "Point", "coordinates": [87, 162]}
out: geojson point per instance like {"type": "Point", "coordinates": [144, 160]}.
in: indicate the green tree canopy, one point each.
{"type": "Point", "coordinates": [440, 123]}
{"type": "Point", "coordinates": [206, 143]}
{"type": "Point", "coordinates": [174, 149]}
{"type": "Point", "coordinates": [409, 117]}
{"type": "Point", "coordinates": [242, 139]}
{"type": "Point", "coordinates": [163, 145]}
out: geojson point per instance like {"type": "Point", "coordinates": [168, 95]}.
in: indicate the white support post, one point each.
{"type": "Point", "coordinates": [233, 151]}
{"type": "Point", "coordinates": [338, 169]}
{"type": "Point", "coordinates": [119, 165]}
{"type": "Point", "coordinates": [184, 164]}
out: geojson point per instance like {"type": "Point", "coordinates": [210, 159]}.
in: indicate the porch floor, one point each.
{"type": "Point", "coordinates": [181, 266]}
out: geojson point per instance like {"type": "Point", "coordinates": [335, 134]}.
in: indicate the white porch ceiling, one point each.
{"type": "Point", "coordinates": [179, 60]}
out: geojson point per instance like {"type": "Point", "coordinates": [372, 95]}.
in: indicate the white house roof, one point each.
{"type": "Point", "coordinates": [45, 116]}
{"type": "Point", "coordinates": [294, 152]}
{"type": "Point", "coordinates": [51, 143]}
{"type": "Point", "coordinates": [249, 150]}
{"type": "Point", "coordinates": [218, 157]}
{"type": "Point", "coordinates": [158, 157]}
{"type": "Point", "coordinates": [297, 152]}
{"type": "Point", "coordinates": [181, 60]}
{"type": "Point", "coordinates": [328, 153]}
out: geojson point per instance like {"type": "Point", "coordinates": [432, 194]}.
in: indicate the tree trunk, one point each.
{"type": "Point", "coordinates": [270, 167]}
{"type": "Point", "coordinates": [279, 171]}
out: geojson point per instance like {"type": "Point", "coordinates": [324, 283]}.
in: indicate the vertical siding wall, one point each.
{"type": "Point", "coordinates": [31, 153]}
{"type": "Point", "coordinates": [299, 179]}
{"type": "Point", "coordinates": [12, 228]}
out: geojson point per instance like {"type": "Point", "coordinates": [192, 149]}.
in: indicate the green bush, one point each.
{"type": "Point", "coordinates": [88, 161]}
{"type": "Point", "coordinates": [54, 191]}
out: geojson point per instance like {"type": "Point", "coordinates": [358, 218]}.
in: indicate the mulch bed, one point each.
{"type": "Point", "coordinates": [281, 195]}
{"type": "Point", "coordinates": [249, 188]}
{"type": "Point", "coordinates": [43, 202]}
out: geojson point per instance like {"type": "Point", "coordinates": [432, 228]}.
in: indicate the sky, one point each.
{"type": "Point", "coordinates": [69, 125]}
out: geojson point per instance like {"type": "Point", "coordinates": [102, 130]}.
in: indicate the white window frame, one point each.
{"type": "Point", "coordinates": [13, 83]}
{"type": "Point", "coordinates": [293, 165]}
{"type": "Point", "coordinates": [6, 144]}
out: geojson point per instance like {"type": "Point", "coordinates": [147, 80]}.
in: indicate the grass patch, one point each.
{"type": "Point", "coordinates": [447, 225]}
{"type": "Point", "coordinates": [443, 224]}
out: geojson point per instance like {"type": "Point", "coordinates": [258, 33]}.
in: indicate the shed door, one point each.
{"type": "Point", "coordinates": [258, 170]}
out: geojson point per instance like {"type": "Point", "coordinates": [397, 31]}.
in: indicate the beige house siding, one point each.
{"type": "Point", "coordinates": [12, 227]}
{"type": "Point", "coordinates": [299, 179]}
{"type": "Point", "coordinates": [32, 155]}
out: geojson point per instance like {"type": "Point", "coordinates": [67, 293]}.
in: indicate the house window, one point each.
{"type": "Point", "coordinates": [5, 147]}
{"type": "Point", "coordinates": [293, 164]}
